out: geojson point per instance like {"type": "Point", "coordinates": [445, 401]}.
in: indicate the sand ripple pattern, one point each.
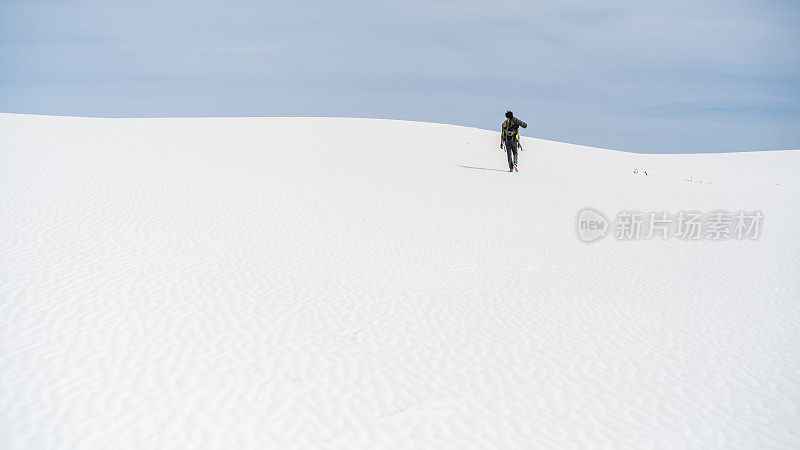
{"type": "Point", "coordinates": [344, 283]}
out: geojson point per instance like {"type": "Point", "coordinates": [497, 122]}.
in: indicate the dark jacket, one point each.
{"type": "Point", "coordinates": [510, 128]}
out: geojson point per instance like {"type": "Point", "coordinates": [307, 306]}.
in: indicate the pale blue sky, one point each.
{"type": "Point", "coordinates": [666, 76]}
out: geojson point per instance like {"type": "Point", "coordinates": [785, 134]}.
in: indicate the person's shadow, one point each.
{"type": "Point", "coordinates": [480, 168]}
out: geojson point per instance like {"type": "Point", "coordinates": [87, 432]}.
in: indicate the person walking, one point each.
{"type": "Point", "coordinates": [509, 135]}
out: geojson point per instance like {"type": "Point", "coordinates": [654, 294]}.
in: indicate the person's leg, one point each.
{"type": "Point", "coordinates": [515, 153]}
{"type": "Point", "coordinates": [510, 152]}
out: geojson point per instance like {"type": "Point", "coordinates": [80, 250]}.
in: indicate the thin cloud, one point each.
{"type": "Point", "coordinates": [616, 74]}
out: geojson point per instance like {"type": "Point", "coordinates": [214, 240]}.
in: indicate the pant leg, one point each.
{"type": "Point", "coordinates": [511, 152]}
{"type": "Point", "coordinates": [515, 153]}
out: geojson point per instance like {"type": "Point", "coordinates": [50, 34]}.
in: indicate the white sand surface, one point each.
{"type": "Point", "coordinates": [358, 283]}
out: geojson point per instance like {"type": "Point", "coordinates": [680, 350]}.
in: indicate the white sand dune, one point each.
{"type": "Point", "coordinates": [355, 283]}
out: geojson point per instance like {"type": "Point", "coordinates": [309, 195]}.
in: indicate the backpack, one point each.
{"type": "Point", "coordinates": [510, 131]}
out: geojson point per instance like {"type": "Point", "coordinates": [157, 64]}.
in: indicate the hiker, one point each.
{"type": "Point", "coordinates": [510, 135]}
